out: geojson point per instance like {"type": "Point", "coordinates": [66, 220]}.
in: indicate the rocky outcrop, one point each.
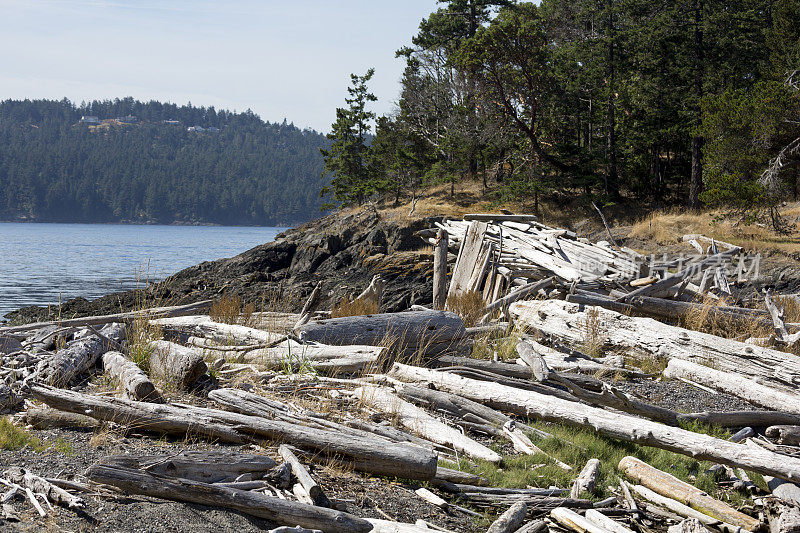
{"type": "Point", "coordinates": [343, 251]}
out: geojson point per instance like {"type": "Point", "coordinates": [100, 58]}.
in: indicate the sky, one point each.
{"type": "Point", "coordinates": [281, 59]}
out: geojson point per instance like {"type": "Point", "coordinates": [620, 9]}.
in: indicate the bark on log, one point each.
{"type": "Point", "coordinates": [735, 384]}
{"type": "Point", "coordinates": [176, 365]}
{"type": "Point", "coordinates": [587, 479]}
{"type": "Point", "coordinates": [154, 312]}
{"type": "Point", "coordinates": [563, 320]}
{"type": "Point", "coordinates": [733, 419]}
{"type": "Point", "coordinates": [616, 425]}
{"type": "Point", "coordinates": [511, 520]}
{"type": "Point", "coordinates": [789, 435]}
{"type": "Point", "coordinates": [440, 270]}
{"type": "Point", "coordinates": [79, 355]}
{"type": "Point", "coordinates": [275, 509]}
{"type": "Point", "coordinates": [378, 457]}
{"type": "Point", "coordinates": [418, 421]}
{"type": "Point", "coordinates": [135, 383]}
{"type": "Point", "coordinates": [409, 331]}
{"type": "Point", "coordinates": [671, 487]}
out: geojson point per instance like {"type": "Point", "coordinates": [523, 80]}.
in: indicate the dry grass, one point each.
{"type": "Point", "coordinates": [668, 227]}
{"type": "Point", "coordinates": [230, 310]}
{"type": "Point", "coordinates": [593, 340]}
{"type": "Point", "coordinates": [346, 307]}
{"type": "Point", "coordinates": [468, 305]}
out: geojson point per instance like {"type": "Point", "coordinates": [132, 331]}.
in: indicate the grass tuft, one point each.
{"type": "Point", "coordinates": [468, 305]}
{"type": "Point", "coordinates": [345, 307]}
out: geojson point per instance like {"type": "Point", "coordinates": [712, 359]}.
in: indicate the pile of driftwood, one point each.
{"type": "Point", "coordinates": [396, 394]}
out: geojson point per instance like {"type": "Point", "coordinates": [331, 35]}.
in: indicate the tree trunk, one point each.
{"type": "Point", "coordinates": [440, 270]}
{"type": "Point", "coordinates": [511, 520]}
{"type": "Point", "coordinates": [696, 179]}
{"type": "Point", "coordinates": [135, 383]}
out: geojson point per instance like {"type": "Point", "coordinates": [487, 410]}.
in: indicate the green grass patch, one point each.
{"type": "Point", "coordinates": [575, 446]}
{"type": "Point", "coordinates": [15, 438]}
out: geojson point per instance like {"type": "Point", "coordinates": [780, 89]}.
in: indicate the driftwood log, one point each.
{"type": "Point", "coordinates": [205, 326]}
{"type": "Point", "coordinates": [440, 270]}
{"type": "Point", "coordinates": [277, 510]}
{"type": "Point", "coordinates": [587, 479]}
{"type": "Point", "coordinates": [368, 455]}
{"type": "Point", "coordinates": [322, 357]}
{"type": "Point", "coordinates": [310, 486]}
{"type": "Point", "coordinates": [37, 484]}
{"type": "Point", "coordinates": [621, 426]}
{"type": "Point", "coordinates": [789, 435]}
{"type": "Point", "coordinates": [208, 466]}
{"type": "Point", "coordinates": [79, 355]}
{"type": "Point", "coordinates": [681, 509]}
{"type": "Point", "coordinates": [176, 365]}
{"type": "Point", "coordinates": [46, 418]}
{"type": "Point", "coordinates": [134, 381]}
{"type": "Point", "coordinates": [511, 520]}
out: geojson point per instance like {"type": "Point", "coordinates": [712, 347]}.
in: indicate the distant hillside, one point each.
{"type": "Point", "coordinates": [131, 161]}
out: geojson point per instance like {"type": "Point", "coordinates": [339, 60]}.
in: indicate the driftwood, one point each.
{"type": "Point", "coordinates": [587, 479]}
{"type": "Point", "coordinates": [440, 270]}
{"type": "Point", "coordinates": [154, 312]}
{"type": "Point", "coordinates": [616, 425]}
{"type": "Point", "coordinates": [311, 487]}
{"type": "Point", "coordinates": [134, 381]}
{"type": "Point", "coordinates": [603, 521]}
{"type": "Point", "coordinates": [735, 419]}
{"type": "Point", "coordinates": [671, 487]}
{"type": "Point", "coordinates": [511, 520]}
{"type": "Point", "coordinates": [46, 418]}
{"type": "Point", "coordinates": [682, 509]}
{"type": "Point", "coordinates": [379, 457]}
{"type": "Point", "coordinates": [688, 525]}
{"type": "Point", "coordinates": [417, 420]}
{"type": "Point", "coordinates": [39, 485]}
{"type": "Point", "coordinates": [175, 364]}
{"type": "Point", "coordinates": [563, 320]}
{"type": "Point", "coordinates": [518, 294]}
{"type": "Point", "coordinates": [789, 435]}
{"type": "Point", "coordinates": [572, 520]}
{"type": "Point", "coordinates": [204, 326]}
{"type": "Point", "coordinates": [79, 355]}
{"type": "Point", "coordinates": [456, 476]}
{"type": "Point", "coordinates": [736, 385]}
{"type": "Point", "coordinates": [253, 503]}
{"type": "Point", "coordinates": [373, 292]}
{"type": "Point", "coordinates": [467, 260]}
{"type": "Point", "coordinates": [321, 357]}
{"type": "Point", "coordinates": [309, 306]}
{"type": "Point", "coordinates": [409, 332]}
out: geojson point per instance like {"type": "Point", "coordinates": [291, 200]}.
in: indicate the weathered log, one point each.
{"type": "Point", "coordinates": [388, 526]}
{"type": "Point", "coordinates": [563, 320]}
{"type": "Point", "coordinates": [9, 400]}
{"type": "Point", "coordinates": [500, 217]}
{"type": "Point", "coordinates": [573, 361]}
{"type": "Point", "coordinates": [154, 312]}
{"type": "Point", "coordinates": [735, 384]}
{"type": "Point", "coordinates": [733, 419]}
{"type": "Point", "coordinates": [596, 517]}
{"type": "Point", "coordinates": [784, 519]}
{"type": "Point", "coordinates": [440, 270]}
{"type": "Point", "coordinates": [408, 331]}
{"type": "Point", "coordinates": [420, 422]}
{"type": "Point", "coordinates": [587, 479]}
{"type": "Point", "coordinates": [322, 357]}
{"type": "Point", "coordinates": [311, 487]}
{"type": "Point", "coordinates": [252, 503]}
{"type": "Point", "coordinates": [37, 484]}
{"type": "Point", "coordinates": [789, 435]}
{"type": "Point", "coordinates": [616, 425]}
{"type": "Point", "coordinates": [176, 365]}
{"type": "Point", "coordinates": [511, 520]}
{"type": "Point", "coordinates": [205, 326]}
{"type": "Point", "coordinates": [518, 294]}
{"type": "Point", "coordinates": [379, 457]}
{"type": "Point", "coordinates": [671, 487]}
{"type": "Point", "coordinates": [572, 520]}
{"type": "Point", "coordinates": [682, 509]}
{"type": "Point", "coordinates": [534, 526]}
{"type": "Point", "coordinates": [134, 381]}
{"type": "Point", "coordinates": [309, 306]}
{"type": "Point", "coordinates": [786, 491]}
{"type": "Point", "coordinates": [456, 476]}
{"type": "Point", "coordinates": [79, 355]}
{"type": "Point", "coordinates": [688, 525]}
{"type": "Point", "coordinates": [467, 260]}
{"type": "Point", "coordinates": [46, 418]}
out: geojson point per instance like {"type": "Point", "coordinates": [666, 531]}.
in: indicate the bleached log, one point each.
{"type": "Point", "coordinates": [408, 331]}
{"type": "Point", "coordinates": [511, 520]}
{"type": "Point", "coordinates": [79, 355]}
{"type": "Point", "coordinates": [322, 357]}
{"type": "Point", "coordinates": [175, 364]}
{"type": "Point", "coordinates": [39, 485]}
{"type": "Point", "coordinates": [733, 419]}
{"type": "Point", "coordinates": [784, 519]}
{"type": "Point", "coordinates": [615, 425]}
{"type": "Point", "coordinates": [309, 306]}
{"type": "Point", "coordinates": [368, 455]}
{"type": "Point", "coordinates": [682, 509]}
{"type": "Point", "coordinates": [134, 381]}
{"type": "Point", "coordinates": [248, 502]}
{"type": "Point", "coordinates": [388, 526]}
{"type": "Point", "coordinates": [151, 313]}
{"type": "Point", "coordinates": [518, 294]}
{"type": "Point", "coordinates": [456, 476]}
{"type": "Point", "coordinates": [598, 518]}
{"type": "Point", "coordinates": [735, 384]}
{"type": "Point", "coordinates": [468, 254]}
{"type": "Point", "coordinates": [440, 270]}
{"type": "Point", "coordinates": [671, 487]}
{"type": "Point", "coordinates": [688, 525]}
{"type": "Point", "coordinates": [587, 479]}
{"type": "Point", "coordinates": [204, 326]}
{"type": "Point", "coordinates": [646, 336]}
{"type": "Point", "coordinates": [785, 490]}
{"type": "Point", "coordinates": [311, 487]}
{"type": "Point", "coordinates": [572, 520]}
{"type": "Point", "coordinates": [420, 422]}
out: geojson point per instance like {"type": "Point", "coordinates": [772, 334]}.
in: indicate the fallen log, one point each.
{"type": "Point", "coordinates": [440, 270]}
{"type": "Point", "coordinates": [290, 353]}
{"type": "Point", "coordinates": [408, 331]}
{"type": "Point", "coordinates": [134, 381]}
{"type": "Point", "coordinates": [309, 306]}
{"type": "Point", "coordinates": [647, 336]}
{"type": "Point", "coordinates": [311, 487]}
{"type": "Point", "coordinates": [46, 418]}
{"type": "Point", "coordinates": [682, 509]}
{"type": "Point", "coordinates": [735, 384]}
{"type": "Point", "coordinates": [205, 326]}
{"type": "Point", "coordinates": [789, 435]}
{"type": "Point", "coordinates": [378, 457]}
{"type": "Point", "coordinates": [598, 518]}
{"type": "Point", "coordinates": [253, 503]}
{"type": "Point", "coordinates": [615, 425]}
{"type": "Point", "coordinates": [572, 520]}
{"type": "Point", "coordinates": [518, 294]}
{"type": "Point", "coordinates": [587, 479]}
{"type": "Point", "coordinates": [39, 485]}
{"type": "Point", "coordinates": [176, 365]}
{"type": "Point", "coordinates": [511, 520]}
{"type": "Point", "coordinates": [671, 487]}
{"type": "Point", "coordinates": [151, 313]}
{"type": "Point", "coordinates": [417, 420]}
{"type": "Point", "coordinates": [79, 355]}
{"type": "Point", "coordinates": [733, 419]}
{"type": "Point", "coordinates": [688, 525]}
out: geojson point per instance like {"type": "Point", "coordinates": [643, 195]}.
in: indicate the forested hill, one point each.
{"type": "Point", "coordinates": [131, 161]}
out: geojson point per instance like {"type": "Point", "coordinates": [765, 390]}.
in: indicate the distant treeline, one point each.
{"type": "Point", "coordinates": [54, 168]}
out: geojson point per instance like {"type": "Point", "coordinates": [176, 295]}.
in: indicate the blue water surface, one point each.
{"type": "Point", "coordinates": [43, 264]}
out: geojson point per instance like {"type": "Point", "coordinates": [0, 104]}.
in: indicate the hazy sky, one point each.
{"type": "Point", "coordinates": [289, 59]}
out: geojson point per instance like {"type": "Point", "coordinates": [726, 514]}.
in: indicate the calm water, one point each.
{"type": "Point", "coordinates": [41, 264]}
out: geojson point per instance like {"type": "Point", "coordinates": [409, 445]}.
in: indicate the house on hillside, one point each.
{"type": "Point", "coordinates": [195, 128]}
{"type": "Point", "coordinates": [89, 119]}
{"type": "Point", "coordinates": [130, 119]}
